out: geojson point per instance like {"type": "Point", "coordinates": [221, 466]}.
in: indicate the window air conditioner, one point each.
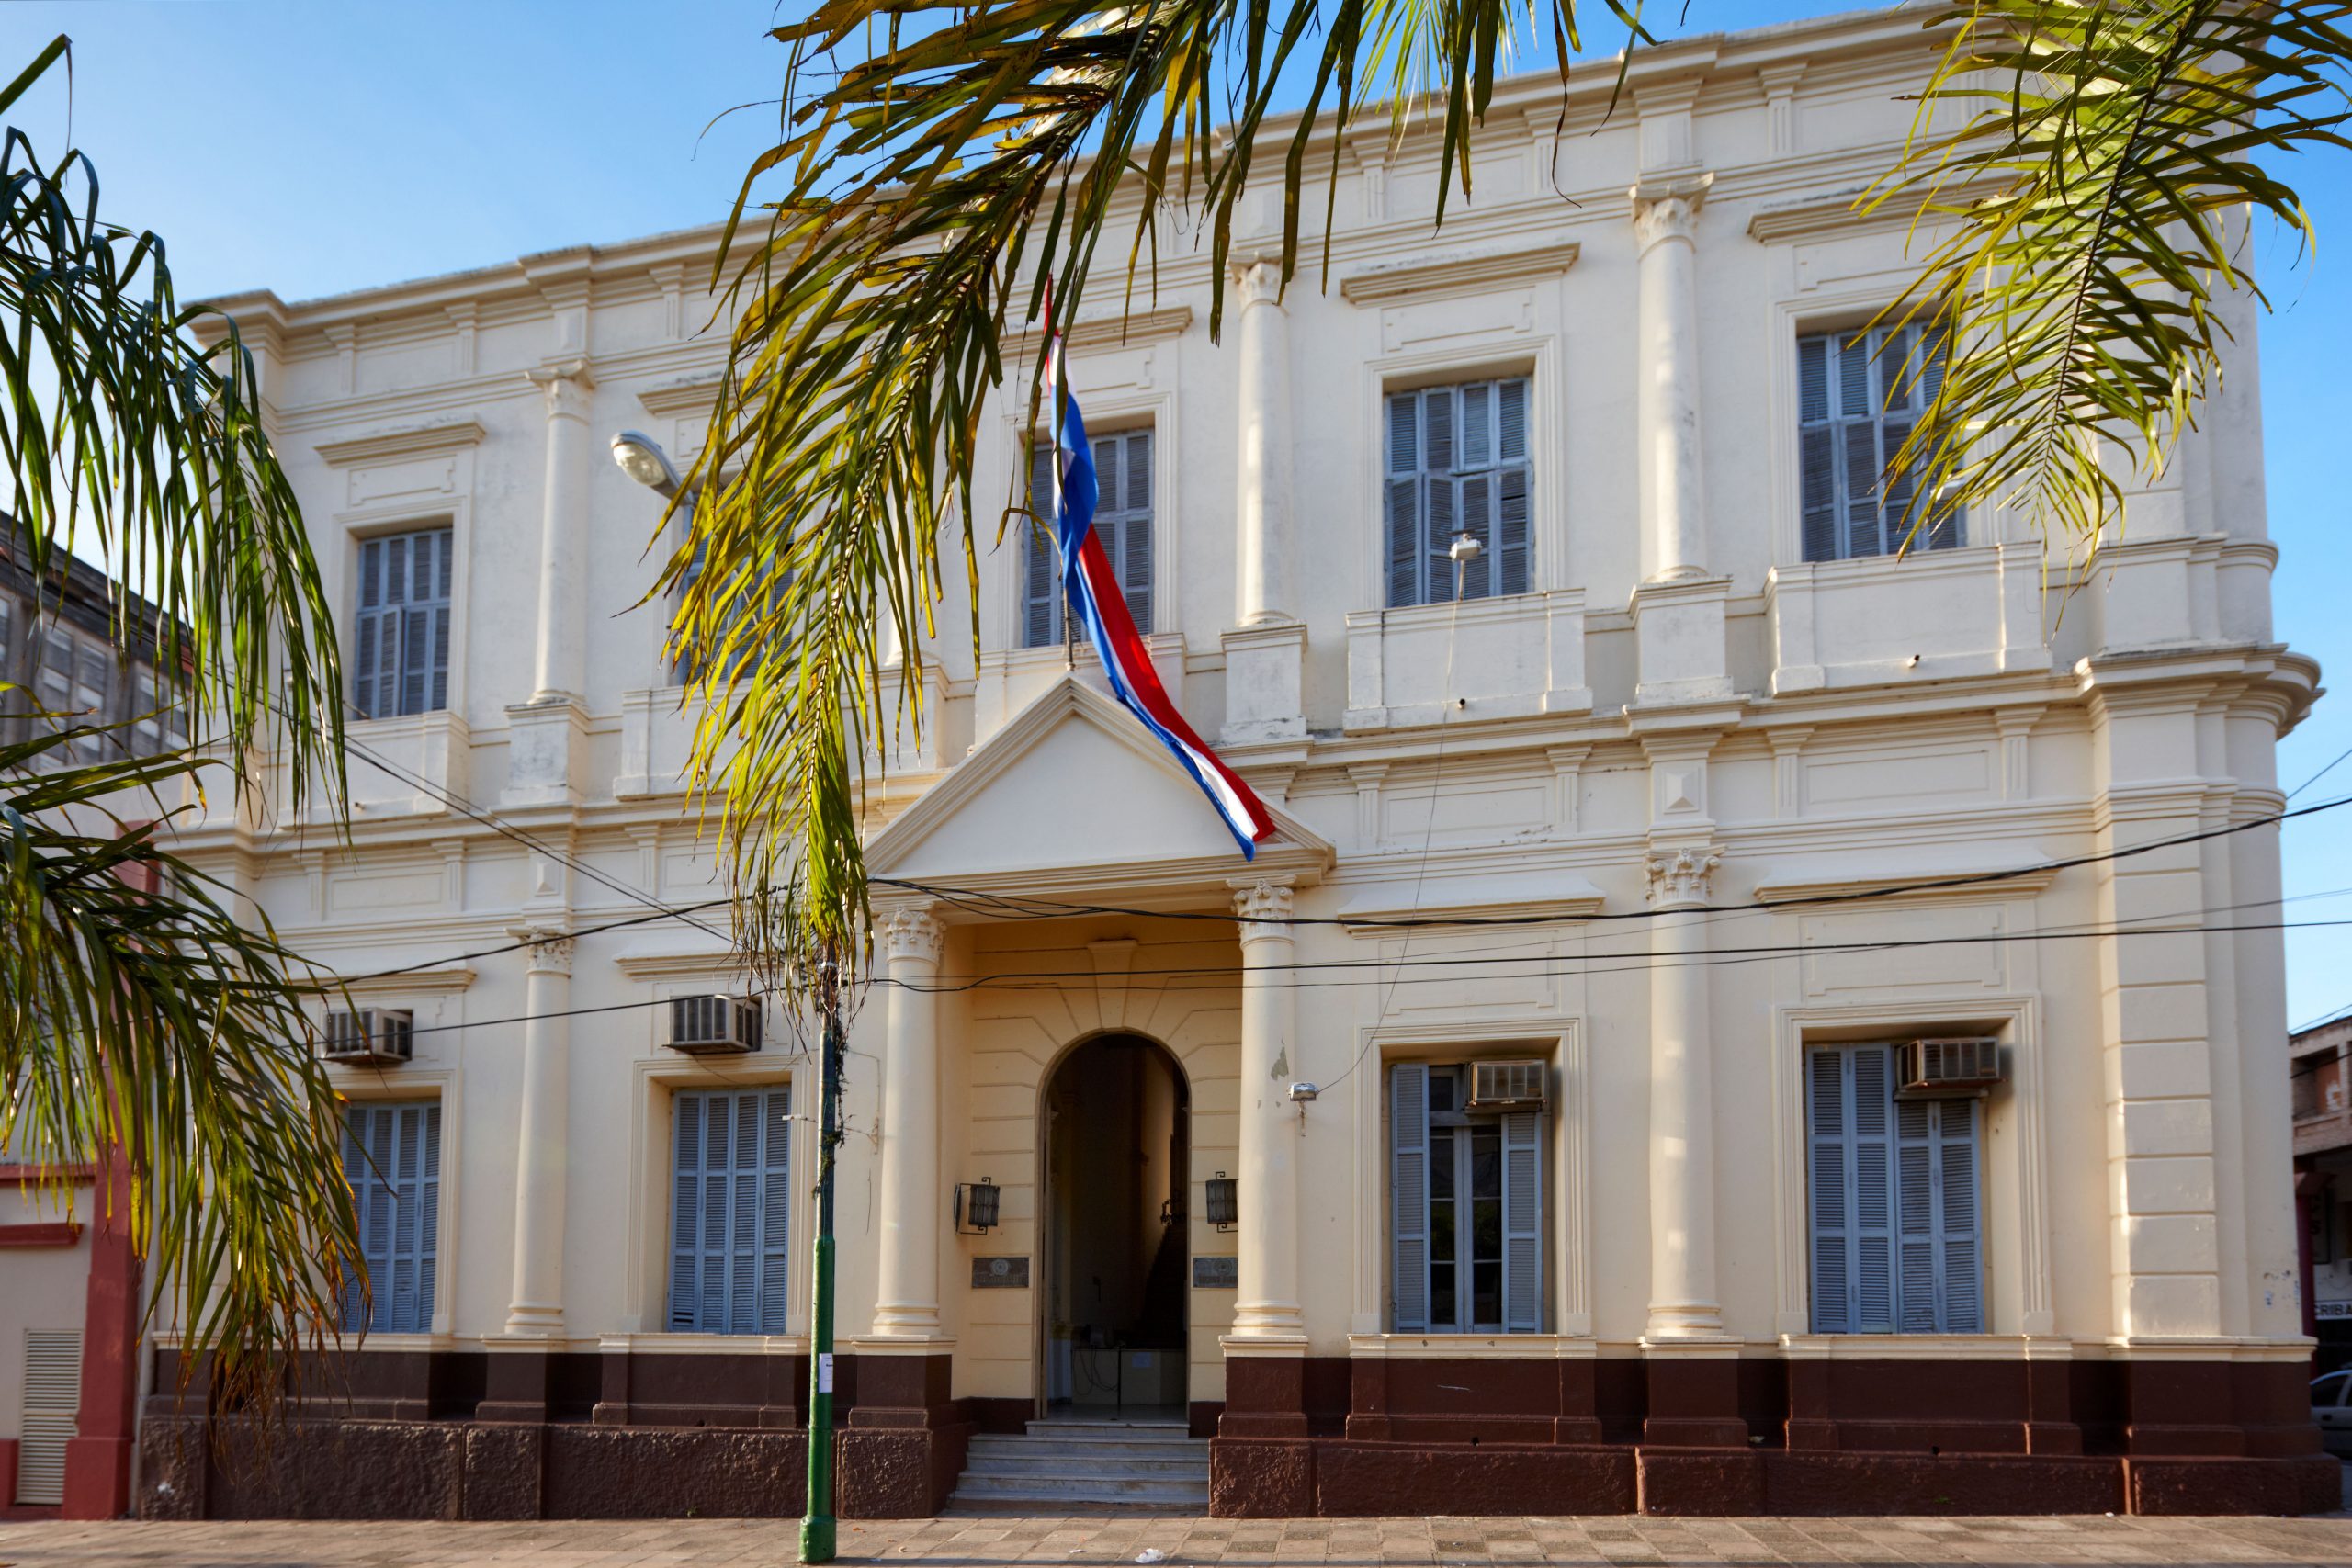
{"type": "Point", "coordinates": [1508, 1086]}
{"type": "Point", "coordinates": [714, 1026]}
{"type": "Point", "coordinates": [371, 1037]}
{"type": "Point", "coordinates": [1933, 1068]}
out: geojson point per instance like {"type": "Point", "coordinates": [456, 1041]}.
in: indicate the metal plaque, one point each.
{"type": "Point", "coordinates": [1000, 1273]}
{"type": "Point", "coordinates": [1217, 1273]}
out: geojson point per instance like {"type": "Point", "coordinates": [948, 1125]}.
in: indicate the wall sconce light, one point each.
{"type": "Point", "coordinates": [976, 1207]}
{"type": "Point", "coordinates": [1225, 1203]}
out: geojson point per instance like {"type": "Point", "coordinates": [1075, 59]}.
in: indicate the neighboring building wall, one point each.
{"type": "Point", "coordinates": [2321, 1079]}
{"type": "Point", "coordinates": [1683, 711]}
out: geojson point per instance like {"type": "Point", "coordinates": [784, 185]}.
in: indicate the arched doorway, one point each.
{"type": "Point", "coordinates": [1117, 1140]}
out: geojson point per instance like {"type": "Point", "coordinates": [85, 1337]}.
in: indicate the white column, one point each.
{"type": "Point", "coordinates": [1263, 505]}
{"type": "Point", "coordinates": [907, 1290]}
{"type": "Point", "coordinates": [1682, 1118]}
{"type": "Point", "coordinates": [1667, 382]}
{"type": "Point", "coordinates": [557, 670]}
{"type": "Point", "coordinates": [543, 1135]}
{"type": "Point", "coordinates": [1266, 1303]}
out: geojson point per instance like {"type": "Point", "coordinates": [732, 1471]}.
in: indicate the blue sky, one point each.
{"type": "Point", "coordinates": [312, 148]}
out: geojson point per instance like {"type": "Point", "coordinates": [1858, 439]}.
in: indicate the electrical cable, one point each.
{"type": "Point", "coordinates": [1038, 907]}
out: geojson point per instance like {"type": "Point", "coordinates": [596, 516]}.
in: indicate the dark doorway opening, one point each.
{"type": "Point", "coordinates": [1118, 1136]}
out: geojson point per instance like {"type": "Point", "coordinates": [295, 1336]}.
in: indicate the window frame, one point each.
{"type": "Point", "coordinates": [434, 1136]}
{"type": "Point", "coordinates": [1037, 540]}
{"type": "Point", "coordinates": [449, 603]}
{"type": "Point", "coordinates": [1546, 1230]}
{"type": "Point", "coordinates": [770, 1172]}
{"type": "Point", "coordinates": [1492, 575]}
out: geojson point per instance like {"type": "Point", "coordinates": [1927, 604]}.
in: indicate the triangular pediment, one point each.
{"type": "Point", "coordinates": [1074, 795]}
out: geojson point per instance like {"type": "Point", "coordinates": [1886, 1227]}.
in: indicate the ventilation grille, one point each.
{"type": "Point", "coordinates": [1933, 1068]}
{"type": "Point", "coordinates": [1507, 1085]}
{"type": "Point", "coordinates": [710, 1026]}
{"type": "Point", "coordinates": [53, 1401]}
{"type": "Point", "coordinates": [379, 1037]}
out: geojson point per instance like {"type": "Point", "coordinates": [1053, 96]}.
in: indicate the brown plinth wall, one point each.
{"type": "Point", "coordinates": [521, 1435]}
{"type": "Point", "coordinates": [1762, 1434]}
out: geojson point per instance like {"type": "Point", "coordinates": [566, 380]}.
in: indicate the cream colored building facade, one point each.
{"type": "Point", "coordinates": [1696, 747]}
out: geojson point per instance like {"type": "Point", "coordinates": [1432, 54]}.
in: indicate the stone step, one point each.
{"type": "Point", "coordinates": [1021, 1462]}
{"type": "Point", "coordinates": [1066, 1488]}
{"type": "Point", "coordinates": [1107, 1449]}
{"type": "Point", "coordinates": [960, 1506]}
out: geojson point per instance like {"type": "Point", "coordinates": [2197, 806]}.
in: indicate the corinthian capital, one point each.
{"type": "Point", "coordinates": [911, 936]}
{"type": "Point", "coordinates": [548, 949]}
{"type": "Point", "coordinates": [1257, 281]}
{"type": "Point", "coordinates": [1260, 899]}
{"type": "Point", "coordinates": [1681, 876]}
{"type": "Point", "coordinates": [1667, 209]}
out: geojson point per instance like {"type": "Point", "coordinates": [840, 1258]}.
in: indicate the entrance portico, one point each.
{"type": "Point", "coordinates": [1067, 884]}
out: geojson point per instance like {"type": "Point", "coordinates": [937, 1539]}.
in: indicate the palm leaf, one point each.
{"type": "Point", "coordinates": [143, 1019]}
{"type": "Point", "coordinates": [2120, 140]}
{"type": "Point", "coordinates": [943, 165]}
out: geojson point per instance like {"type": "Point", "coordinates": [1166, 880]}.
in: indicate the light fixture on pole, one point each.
{"type": "Point", "coordinates": [977, 1206]}
{"type": "Point", "coordinates": [1225, 1202]}
{"type": "Point", "coordinates": [642, 458]}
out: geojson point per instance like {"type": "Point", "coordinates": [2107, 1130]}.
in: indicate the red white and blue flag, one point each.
{"type": "Point", "coordinates": [1092, 590]}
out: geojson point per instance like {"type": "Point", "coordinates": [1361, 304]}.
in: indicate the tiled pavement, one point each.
{"type": "Point", "coordinates": [1195, 1543]}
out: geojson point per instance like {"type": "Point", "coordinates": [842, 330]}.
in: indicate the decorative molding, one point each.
{"type": "Point", "coordinates": [1680, 877]}
{"type": "Point", "coordinates": [566, 384]}
{"type": "Point", "coordinates": [1261, 900]}
{"type": "Point", "coordinates": [403, 440]}
{"type": "Point", "coordinates": [681, 394]}
{"type": "Point", "coordinates": [59, 1233]}
{"type": "Point", "coordinates": [1462, 272]}
{"type": "Point", "coordinates": [1097, 334]}
{"type": "Point", "coordinates": [912, 935]}
{"type": "Point", "coordinates": [1668, 209]}
{"type": "Point", "coordinates": [1834, 216]}
{"type": "Point", "coordinates": [2016, 870]}
{"type": "Point", "coordinates": [419, 982]}
{"type": "Point", "coordinates": [549, 947]}
{"type": "Point", "coordinates": [680, 966]}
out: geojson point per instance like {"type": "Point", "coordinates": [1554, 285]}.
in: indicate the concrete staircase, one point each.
{"type": "Point", "coordinates": [1086, 1467]}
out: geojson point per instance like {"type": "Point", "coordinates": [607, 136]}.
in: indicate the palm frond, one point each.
{"type": "Point", "coordinates": [2119, 139]}
{"type": "Point", "coordinates": [143, 1019]}
{"type": "Point", "coordinates": [124, 437]}
{"type": "Point", "coordinates": [944, 164]}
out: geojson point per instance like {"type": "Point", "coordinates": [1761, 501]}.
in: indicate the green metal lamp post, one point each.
{"type": "Point", "coordinates": [817, 1528]}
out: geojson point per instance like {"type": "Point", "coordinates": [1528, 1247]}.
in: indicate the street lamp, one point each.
{"type": "Point", "coordinates": [642, 458]}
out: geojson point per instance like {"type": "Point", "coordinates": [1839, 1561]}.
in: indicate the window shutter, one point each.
{"type": "Point", "coordinates": [744, 1219]}
{"type": "Point", "coordinates": [1859, 455]}
{"type": "Point", "coordinates": [1918, 1241]}
{"type": "Point", "coordinates": [1135, 534]}
{"type": "Point", "coordinates": [710, 1287]}
{"type": "Point", "coordinates": [1872, 1099]}
{"type": "Point", "coordinates": [401, 640]}
{"type": "Point", "coordinates": [686, 1214]}
{"type": "Point", "coordinates": [1040, 590]}
{"type": "Point", "coordinates": [776, 1211]}
{"type": "Point", "coordinates": [1511, 540]}
{"type": "Point", "coordinates": [1477, 521]}
{"type": "Point", "coordinates": [391, 1156]}
{"type": "Point", "coordinates": [1524, 1223]}
{"type": "Point", "coordinates": [1827, 1184]}
{"type": "Point", "coordinates": [1404, 497]}
{"type": "Point", "coordinates": [1408, 1136]}
{"type": "Point", "coordinates": [1438, 566]}
{"type": "Point", "coordinates": [53, 1408]}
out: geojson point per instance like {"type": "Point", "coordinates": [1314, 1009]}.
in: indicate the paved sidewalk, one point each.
{"type": "Point", "coordinates": [1195, 1543]}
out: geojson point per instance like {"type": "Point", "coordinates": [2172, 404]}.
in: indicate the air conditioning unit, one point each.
{"type": "Point", "coordinates": [714, 1026]}
{"type": "Point", "coordinates": [371, 1037]}
{"type": "Point", "coordinates": [1933, 1068]}
{"type": "Point", "coordinates": [1509, 1086]}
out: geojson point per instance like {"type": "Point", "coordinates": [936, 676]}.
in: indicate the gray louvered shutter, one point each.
{"type": "Point", "coordinates": [1135, 529]}
{"type": "Point", "coordinates": [1513, 540]}
{"type": "Point", "coordinates": [1524, 1223]}
{"type": "Point", "coordinates": [401, 640]}
{"type": "Point", "coordinates": [1826, 1184]}
{"type": "Point", "coordinates": [685, 1210]}
{"type": "Point", "coordinates": [1439, 510]}
{"type": "Point", "coordinates": [1403, 508]}
{"type": "Point", "coordinates": [1817, 451]}
{"type": "Point", "coordinates": [1943, 1285]}
{"type": "Point", "coordinates": [730, 1258]}
{"type": "Point", "coordinates": [1848, 1104]}
{"type": "Point", "coordinates": [776, 1211]}
{"type": "Point", "coordinates": [53, 1408]}
{"type": "Point", "coordinates": [1041, 620]}
{"type": "Point", "coordinates": [1409, 1140]}
{"type": "Point", "coordinates": [391, 1156]}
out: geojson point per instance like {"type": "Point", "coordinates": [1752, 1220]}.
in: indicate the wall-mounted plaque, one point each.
{"type": "Point", "coordinates": [1217, 1273]}
{"type": "Point", "coordinates": [1000, 1273]}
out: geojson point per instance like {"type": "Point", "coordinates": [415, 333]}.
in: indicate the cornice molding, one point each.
{"type": "Point", "coordinates": [403, 440]}
{"type": "Point", "coordinates": [1097, 334]}
{"type": "Point", "coordinates": [1464, 272]}
{"type": "Point", "coordinates": [1833, 214]}
{"type": "Point", "coordinates": [685, 394]}
{"type": "Point", "coordinates": [705, 964]}
{"type": "Point", "coordinates": [422, 982]}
